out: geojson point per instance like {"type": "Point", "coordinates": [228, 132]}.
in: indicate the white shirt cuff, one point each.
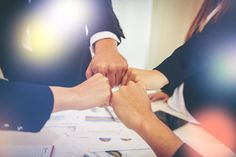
{"type": "Point", "coordinates": [102, 35]}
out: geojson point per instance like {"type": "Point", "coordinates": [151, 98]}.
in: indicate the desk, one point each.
{"type": "Point", "coordinates": [193, 135]}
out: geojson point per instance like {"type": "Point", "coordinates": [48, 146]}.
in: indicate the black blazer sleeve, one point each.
{"type": "Point", "coordinates": [200, 52]}
{"type": "Point", "coordinates": [186, 151]}
{"type": "Point", "coordinates": [102, 18]}
{"type": "Point", "coordinates": [24, 107]}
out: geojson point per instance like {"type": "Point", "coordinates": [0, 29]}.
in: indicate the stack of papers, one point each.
{"type": "Point", "coordinates": [26, 151]}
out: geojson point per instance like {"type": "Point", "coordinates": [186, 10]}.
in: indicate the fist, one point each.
{"type": "Point", "coordinates": [108, 61]}
{"type": "Point", "coordinates": [94, 92]}
{"type": "Point", "coordinates": [131, 104]}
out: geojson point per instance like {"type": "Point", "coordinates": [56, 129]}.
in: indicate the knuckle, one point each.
{"type": "Point", "coordinates": [99, 75]}
{"type": "Point", "coordinates": [131, 83]}
{"type": "Point", "coordinates": [125, 68]}
{"type": "Point", "coordinates": [131, 68]}
{"type": "Point", "coordinates": [122, 89]}
{"type": "Point", "coordinates": [113, 68]}
{"type": "Point", "coordinates": [105, 79]}
{"type": "Point", "coordinates": [101, 68]}
{"type": "Point", "coordinates": [107, 87]}
{"type": "Point", "coordinates": [134, 72]}
{"type": "Point", "coordinates": [129, 72]}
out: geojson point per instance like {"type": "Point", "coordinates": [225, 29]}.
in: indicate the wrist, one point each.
{"type": "Point", "coordinates": [162, 140]}
{"type": "Point", "coordinates": [106, 43]}
{"type": "Point", "coordinates": [161, 79]}
{"type": "Point", "coordinates": [63, 98]}
{"type": "Point", "coordinates": [145, 123]}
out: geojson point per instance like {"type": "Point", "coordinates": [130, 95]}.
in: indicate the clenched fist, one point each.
{"type": "Point", "coordinates": [132, 105]}
{"type": "Point", "coordinates": [94, 92]}
{"type": "Point", "coordinates": [108, 61]}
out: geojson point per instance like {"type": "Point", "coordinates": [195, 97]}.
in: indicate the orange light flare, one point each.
{"type": "Point", "coordinates": [220, 124]}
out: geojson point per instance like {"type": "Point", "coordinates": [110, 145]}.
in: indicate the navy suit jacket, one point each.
{"type": "Point", "coordinates": [26, 101]}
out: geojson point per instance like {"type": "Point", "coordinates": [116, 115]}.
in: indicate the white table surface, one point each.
{"type": "Point", "coordinates": [193, 135]}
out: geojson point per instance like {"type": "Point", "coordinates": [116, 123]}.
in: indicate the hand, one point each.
{"type": "Point", "coordinates": [149, 79]}
{"type": "Point", "coordinates": [94, 92]}
{"type": "Point", "coordinates": [132, 105]}
{"type": "Point", "coordinates": [108, 61]}
{"type": "Point", "coordinates": [159, 96]}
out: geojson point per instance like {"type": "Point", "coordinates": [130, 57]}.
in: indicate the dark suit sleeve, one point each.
{"type": "Point", "coordinates": [200, 52]}
{"type": "Point", "coordinates": [24, 107]}
{"type": "Point", "coordinates": [186, 151]}
{"type": "Point", "coordinates": [102, 18]}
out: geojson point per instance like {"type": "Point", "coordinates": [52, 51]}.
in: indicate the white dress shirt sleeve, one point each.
{"type": "Point", "coordinates": [101, 35]}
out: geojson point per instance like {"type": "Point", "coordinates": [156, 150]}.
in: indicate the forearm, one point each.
{"type": "Point", "coordinates": [63, 98]}
{"type": "Point", "coordinates": [162, 140]}
{"type": "Point", "coordinates": [93, 92]}
{"type": "Point", "coordinates": [161, 80]}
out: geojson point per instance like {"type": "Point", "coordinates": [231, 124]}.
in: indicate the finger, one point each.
{"type": "Point", "coordinates": [153, 99]}
{"type": "Point", "coordinates": [151, 95]}
{"type": "Point", "coordinates": [130, 83]}
{"type": "Point", "coordinates": [159, 96]}
{"type": "Point", "coordinates": [101, 69]}
{"type": "Point", "coordinates": [89, 72]}
{"type": "Point", "coordinates": [110, 92]}
{"type": "Point", "coordinates": [95, 78]}
{"type": "Point", "coordinates": [114, 97]}
{"type": "Point", "coordinates": [112, 78]}
{"type": "Point", "coordinates": [107, 100]}
{"type": "Point", "coordinates": [118, 76]}
{"type": "Point", "coordinates": [124, 79]}
{"type": "Point", "coordinates": [123, 72]}
{"type": "Point", "coordinates": [129, 77]}
{"type": "Point", "coordinates": [166, 99]}
{"type": "Point", "coordinates": [104, 105]}
{"type": "Point", "coordinates": [129, 74]}
{"type": "Point", "coordinates": [140, 83]}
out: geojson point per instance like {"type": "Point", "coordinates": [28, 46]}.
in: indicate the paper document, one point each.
{"type": "Point", "coordinates": [26, 151]}
{"type": "Point", "coordinates": [64, 118]}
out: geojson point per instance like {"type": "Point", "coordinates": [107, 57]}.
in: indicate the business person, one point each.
{"type": "Point", "coordinates": [203, 68]}
{"type": "Point", "coordinates": [42, 78]}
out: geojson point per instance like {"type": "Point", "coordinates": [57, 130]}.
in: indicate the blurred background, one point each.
{"type": "Point", "coordinates": [153, 28]}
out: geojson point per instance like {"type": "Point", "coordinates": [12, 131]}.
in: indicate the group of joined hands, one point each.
{"type": "Point", "coordinates": [131, 103]}
{"type": "Point", "coordinates": [108, 69]}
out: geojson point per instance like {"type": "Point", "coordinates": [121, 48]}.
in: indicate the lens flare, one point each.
{"type": "Point", "coordinates": [220, 124]}
{"type": "Point", "coordinates": [52, 28]}
{"type": "Point", "coordinates": [223, 71]}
